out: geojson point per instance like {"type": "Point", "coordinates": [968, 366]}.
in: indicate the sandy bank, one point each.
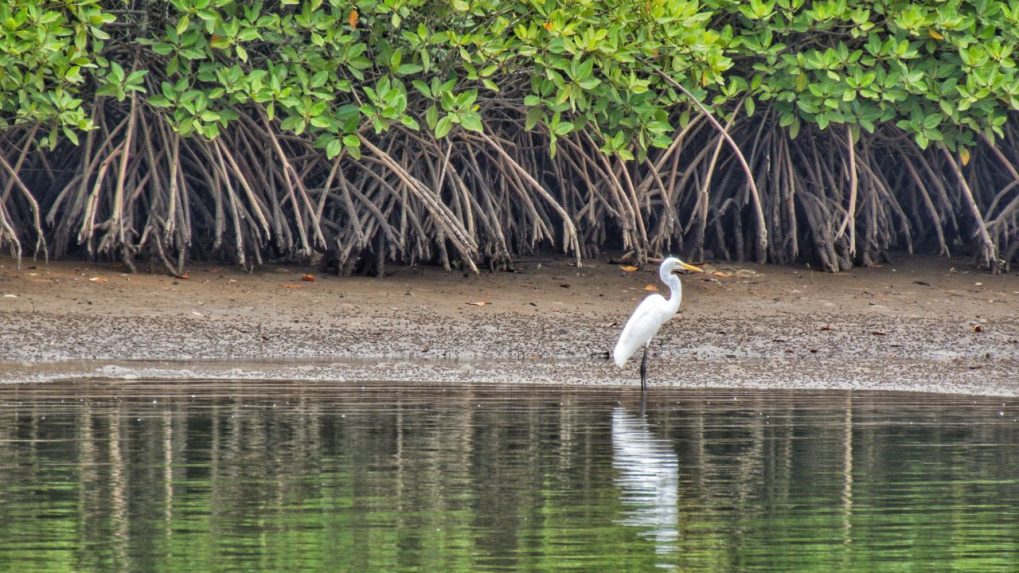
{"type": "Point", "coordinates": [925, 324]}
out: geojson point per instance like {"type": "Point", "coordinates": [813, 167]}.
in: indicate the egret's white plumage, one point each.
{"type": "Point", "coordinates": [650, 315]}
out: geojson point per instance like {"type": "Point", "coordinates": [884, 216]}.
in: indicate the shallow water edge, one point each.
{"type": "Point", "coordinates": [992, 378]}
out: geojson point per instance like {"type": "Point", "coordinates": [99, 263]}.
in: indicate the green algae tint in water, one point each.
{"type": "Point", "coordinates": [298, 477]}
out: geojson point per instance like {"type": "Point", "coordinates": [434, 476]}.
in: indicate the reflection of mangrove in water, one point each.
{"type": "Point", "coordinates": [648, 477]}
{"type": "Point", "coordinates": [252, 476]}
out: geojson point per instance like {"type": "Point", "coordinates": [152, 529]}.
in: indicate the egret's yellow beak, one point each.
{"type": "Point", "coordinates": [687, 267]}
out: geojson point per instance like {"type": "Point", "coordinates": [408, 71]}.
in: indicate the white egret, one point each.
{"type": "Point", "coordinates": [650, 315]}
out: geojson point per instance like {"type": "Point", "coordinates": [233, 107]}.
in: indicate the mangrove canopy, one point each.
{"type": "Point", "coordinates": [467, 132]}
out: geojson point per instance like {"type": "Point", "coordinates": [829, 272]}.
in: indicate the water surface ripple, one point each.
{"type": "Point", "coordinates": [248, 476]}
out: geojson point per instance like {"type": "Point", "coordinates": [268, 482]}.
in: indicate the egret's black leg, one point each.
{"type": "Point", "coordinates": [643, 369]}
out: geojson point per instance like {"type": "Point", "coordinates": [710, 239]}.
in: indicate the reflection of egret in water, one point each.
{"type": "Point", "coordinates": [647, 473]}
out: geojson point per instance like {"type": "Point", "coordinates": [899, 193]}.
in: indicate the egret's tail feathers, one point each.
{"type": "Point", "coordinates": [620, 354]}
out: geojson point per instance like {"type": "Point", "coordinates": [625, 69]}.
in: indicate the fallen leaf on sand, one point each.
{"type": "Point", "coordinates": [308, 278]}
{"type": "Point", "coordinates": [650, 288]}
{"type": "Point", "coordinates": [289, 285]}
{"type": "Point", "coordinates": [628, 268]}
{"type": "Point", "coordinates": [977, 328]}
{"type": "Point", "coordinates": [10, 296]}
{"type": "Point", "coordinates": [99, 280]}
{"type": "Point", "coordinates": [721, 274]}
{"type": "Point", "coordinates": [478, 303]}
{"type": "Point", "coordinates": [878, 333]}
{"type": "Point", "coordinates": [565, 285]}
{"type": "Point", "coordinates": [196, 313]}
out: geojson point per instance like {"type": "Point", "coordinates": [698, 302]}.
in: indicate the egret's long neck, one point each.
{"type": "Point", "coordinates": [675, 288]}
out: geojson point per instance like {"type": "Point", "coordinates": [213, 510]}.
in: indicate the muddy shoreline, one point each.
{"type": "Point", "coordinates": [925, 324]}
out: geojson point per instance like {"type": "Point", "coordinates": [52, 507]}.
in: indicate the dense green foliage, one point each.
{"type": "Point", "coordinates": [940, 71]}
{"type": "Point", "coordinates": [330, 69]}
{"type": "Point", "coordinates": [198, 117]}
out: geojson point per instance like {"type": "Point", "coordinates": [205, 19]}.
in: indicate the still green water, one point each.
{"type": "Point", "coordinates": [322, 477]}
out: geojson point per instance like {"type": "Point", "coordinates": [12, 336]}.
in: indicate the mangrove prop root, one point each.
{"type": "Point", "coordinates": [134, 188]}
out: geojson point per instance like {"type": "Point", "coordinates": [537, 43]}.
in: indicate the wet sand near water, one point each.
{"type": "Point", "coordinates": [923, 324]}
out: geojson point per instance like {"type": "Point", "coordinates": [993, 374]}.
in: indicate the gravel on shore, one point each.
{"type": "Point", "coordinates": [927, 325]}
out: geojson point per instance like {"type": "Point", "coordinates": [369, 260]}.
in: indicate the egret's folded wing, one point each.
{"type": "Point", "coordinates": [643, 324]}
